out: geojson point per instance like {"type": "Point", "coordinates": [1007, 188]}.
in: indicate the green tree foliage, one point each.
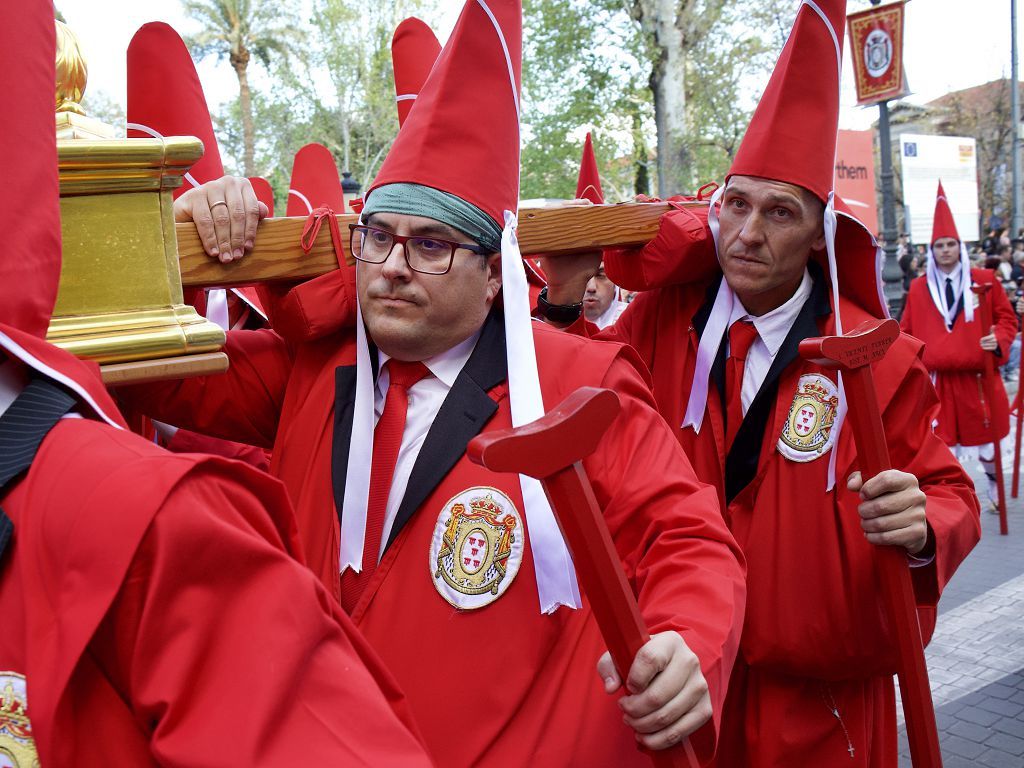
{"type": "Point", "coordinates": [337, 90]}
{"type": "Point", "coordinates": [580, 73]}
{"type": "Point", "coordinates": [592, 65]}
{"type": "Point", "coordinates": [99, 104]}
{"type": "Point", "coordinates": [587, 65]}
{"type": "Point", "coordinates": [238, 30]}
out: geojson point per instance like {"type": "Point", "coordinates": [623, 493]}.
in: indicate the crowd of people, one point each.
{"type": "Point", "coordinates": [374, 596]}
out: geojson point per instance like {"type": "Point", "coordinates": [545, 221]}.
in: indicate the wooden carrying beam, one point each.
{"type": "Point", "coordinates": [278, 256]}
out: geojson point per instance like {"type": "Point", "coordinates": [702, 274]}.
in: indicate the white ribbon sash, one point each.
{"type": "Point", "coordinates": [556, 576]}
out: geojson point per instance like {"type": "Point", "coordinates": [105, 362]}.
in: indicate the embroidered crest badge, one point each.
{"type": "Point", "coordinates": [17, 747]}
{"type": "Point", "coordinates": [476, 548]}
{"type": "Point", "coordinates": [807, 433]}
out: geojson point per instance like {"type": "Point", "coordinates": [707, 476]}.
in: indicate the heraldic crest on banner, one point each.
{"type": "Point", "coordinates": [807, 433]}
{"type": "Point", "coordinates": [476, 548]}
{"type": "Point", "coordinates": [17, 747]}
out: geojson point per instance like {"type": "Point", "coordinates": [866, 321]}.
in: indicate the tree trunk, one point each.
{"type": "Point", "coordinates": [345, 126]}
{"type": "Point", "coordinates": [662, 21]}
{"type": "Point", "coordinates": [641, 179]}
{"type": "Point", "coordinates": [241, 63]}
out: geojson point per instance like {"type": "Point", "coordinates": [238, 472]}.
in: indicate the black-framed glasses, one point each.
{"type": "Point", "coordinates": [428, 255]}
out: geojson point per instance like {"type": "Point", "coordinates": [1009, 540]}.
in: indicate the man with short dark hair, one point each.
{"type": "Point", "coordinates": [601, 304]}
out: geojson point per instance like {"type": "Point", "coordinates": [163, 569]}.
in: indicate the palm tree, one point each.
{"type": "Point", "coordinates": [239, 30]}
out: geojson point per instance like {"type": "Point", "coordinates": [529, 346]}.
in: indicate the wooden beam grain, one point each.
{"type": "Point", "coordinates": [277, 255]}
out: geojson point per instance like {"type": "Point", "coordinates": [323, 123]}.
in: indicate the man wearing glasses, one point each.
{"type": "Point", "coordinates": [456, 574]}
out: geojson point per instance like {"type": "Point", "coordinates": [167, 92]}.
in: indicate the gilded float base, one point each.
{"type": "Point", "coordinates": [117, 337]}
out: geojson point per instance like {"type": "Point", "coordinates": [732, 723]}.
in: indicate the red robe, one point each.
{"type": "Point", "coordinates": [957, 362]}
{"type": "Point", "coordinates": [814, 632]}
{"type": "Point", "coordinates": [528, 679]}
{"type": "Point", "coordinates": [152, 605]}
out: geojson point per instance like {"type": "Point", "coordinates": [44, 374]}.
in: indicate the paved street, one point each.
{"type": "Point", "coordinates": [976, 659]}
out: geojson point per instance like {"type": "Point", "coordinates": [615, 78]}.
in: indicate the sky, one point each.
{"type": "Point", "coordinates": [950, 44]}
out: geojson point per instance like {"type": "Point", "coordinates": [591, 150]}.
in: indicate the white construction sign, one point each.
{"type": "Point", "coordinates": [927, 159]}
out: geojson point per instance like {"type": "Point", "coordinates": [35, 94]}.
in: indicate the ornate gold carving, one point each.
{"type": "Point", "coordinates": [17, 746]}
{"type": "Point", "coordinates": [120, 299]}
{"type": "Point", "coordinates": [72, 72]}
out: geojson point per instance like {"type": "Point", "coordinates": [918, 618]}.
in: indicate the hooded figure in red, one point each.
{"type": "Point", "coordinates": [941, 310]}
{"type": "Point", "coordinates": [414, 49]}
{"type": "Point", "coordinates": [440, 559]}
{"type": "Point", "coordinates": [313, 308]}
{"type": "Point", "coordinates": [153, 613]}
{"type": "Point", "coordinates": [165, 98]}
{"type": "Point", "coordinates": [729, 293]}
{"type": "Point", "coordinates": [601, 304]}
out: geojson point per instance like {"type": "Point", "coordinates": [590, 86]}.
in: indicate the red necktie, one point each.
{"type": "Point", "coordinates": [387, 440]}
{"type": "Point", "coordinates": [741, 336]}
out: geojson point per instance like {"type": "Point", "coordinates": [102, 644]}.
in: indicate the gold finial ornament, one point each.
{"type": "Point", "coordinates": [120, 300]}
{"type": "Point", "coordinates": [71, 71]}
{"type": "Point", "coordinates": [72, 74]}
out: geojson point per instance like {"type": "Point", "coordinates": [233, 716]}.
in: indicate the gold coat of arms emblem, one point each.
{"type": "Point", "coordinates": [17, 747]}
{"type": "Point", "coordinates": [807, 433]}
{"type": "Point", "coordinates": [476, 548]}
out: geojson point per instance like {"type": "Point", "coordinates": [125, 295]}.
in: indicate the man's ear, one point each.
{"type": "Point", "coordinates": [819, 242]}
{"type": "Point", "coordinates": [493, 267]}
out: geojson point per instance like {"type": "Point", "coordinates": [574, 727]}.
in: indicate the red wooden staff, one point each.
{"type": "Point", "coordinates": [853, 355]}
{"type": "Point", "coordinates": [988, 381]}
{"type": "Point", "coordinates": [551, 449]}
{"type": "Point", "coordinates": [1016, 408]}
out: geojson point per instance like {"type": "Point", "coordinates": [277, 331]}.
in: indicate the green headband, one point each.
{"type": "Point", "coordinates": [418, 200]}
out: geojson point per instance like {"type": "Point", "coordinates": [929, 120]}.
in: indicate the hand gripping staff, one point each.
{"type": "Point", "coordinates": [853, 354]}
{"type": "Point", "coordinates": [988, 382]}
{"type": "Point", "coordinates": [552, 449]}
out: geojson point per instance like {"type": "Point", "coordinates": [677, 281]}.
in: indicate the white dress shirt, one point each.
{"type": "Point", "coordinates": [610, 315]}
{"type": "Point", "coordinates": [772, 329]}
{"type": "Point", "coordinates": [425, 399]}
{"type": "Point", "coordinates": [12, 381]}
{"type": "Point", "coordinates": [957, 285]}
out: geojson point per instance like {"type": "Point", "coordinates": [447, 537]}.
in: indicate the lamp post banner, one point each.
{"type": "Point", "coordinates": [876, 44]}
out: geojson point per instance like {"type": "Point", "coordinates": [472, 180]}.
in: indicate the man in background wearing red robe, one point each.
{"type": "Point", "coordinates": [942, 311]}
{"type": "Point", "coordinates": [730, 293]}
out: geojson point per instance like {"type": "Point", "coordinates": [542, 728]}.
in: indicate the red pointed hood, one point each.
{"type": "Point", "coordinates": [414, 49]}
{"type": "Point", "coordinates": [943, 224]}
{"type": "Point", "coordinates": [792, 138]}
{"type": "Point", "coordinates": [165, 97]}
{"type": "Point", "coordinates": [30, 242]}
{"type": "Point", "coordinates": [463, 136]}
{"type": "Point", "coordinates": [792, 135]}
{"type": "Point", "coordinates": [588, 185]}
{"type": "Point", "coordinates": [264, 193]}
{"type": "Point", "coordinates": [315, 182]}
